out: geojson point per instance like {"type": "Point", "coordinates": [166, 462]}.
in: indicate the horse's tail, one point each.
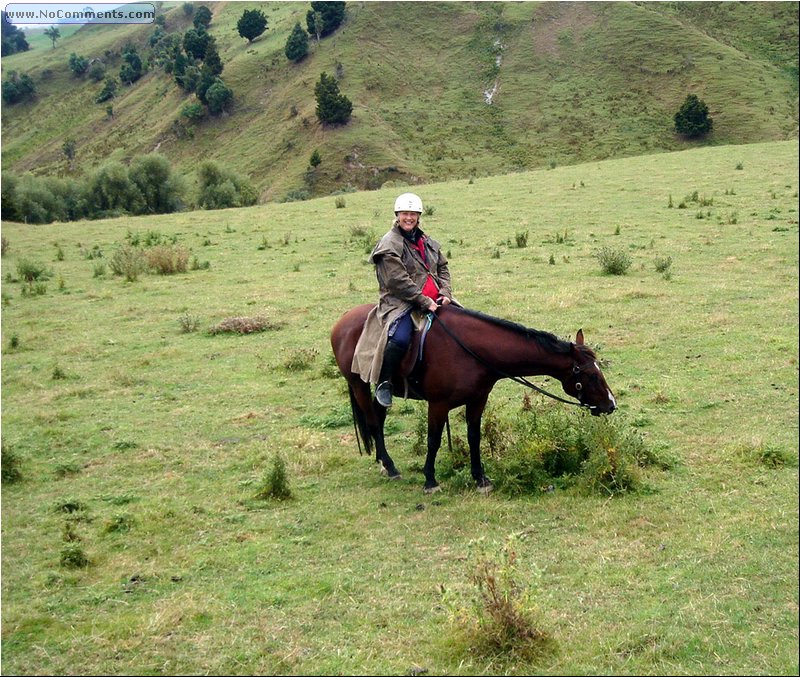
{"type": "Point", "coordinates": [360, 423]}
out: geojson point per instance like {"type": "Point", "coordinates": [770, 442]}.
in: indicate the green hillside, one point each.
{"type": "Point", "coordinates": [570, 82]}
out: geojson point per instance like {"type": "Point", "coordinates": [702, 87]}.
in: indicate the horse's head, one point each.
{"type": "Point", "coordinates": [585, 382]}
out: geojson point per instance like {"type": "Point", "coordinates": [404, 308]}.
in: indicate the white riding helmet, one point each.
{"type": "Point", "coordinates": [408, 202]}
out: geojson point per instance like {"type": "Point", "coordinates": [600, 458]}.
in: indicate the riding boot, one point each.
{"type": "Point", "coordinates": [392, 356]}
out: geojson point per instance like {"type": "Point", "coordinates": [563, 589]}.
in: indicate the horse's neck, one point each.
{"type": "Point", "coordinates": [515, 354]}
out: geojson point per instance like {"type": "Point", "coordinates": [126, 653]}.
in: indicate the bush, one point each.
{"type": "Point", "coordinates": [30, 271]}
{"type": "Point", "coordinates": [18, 88]}
{"type": "Point", "coordinates": [167, 259]}
{"type": "Point", "coordinates": [614, 261]}
{"type": "Point", "coordinates": [276, 483]}
{"type": "Point", "coordinates": [251, 24]}
{"type": "Point", "coordinates": [10, 466]}
{"type": "Point", "coordinates": [220, 188]}
{"type": "Point", "coordinates": [129, 262]}
{"type": "Point", "coordinates": [218, 97]}
{"type": "Point", "coordinates": [108, 92]}
{"type": "Point", "coordinates": [243, 325]}
{"type": "Point", "coordinates": [501, 616]}
{"type": "Point", "coordinates": [112, 192]}
{"type": "Point", "coordinates": [161, 189]}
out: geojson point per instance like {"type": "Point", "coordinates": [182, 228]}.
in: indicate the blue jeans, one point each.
{"type": "Point", "coordinates": [401, 330]}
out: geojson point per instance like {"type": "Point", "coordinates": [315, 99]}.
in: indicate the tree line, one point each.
{"type": "Point", "coordinates": [149, 185]}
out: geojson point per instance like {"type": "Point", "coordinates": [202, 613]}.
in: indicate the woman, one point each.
{"type": "Point", "coordinates": [413, 279]}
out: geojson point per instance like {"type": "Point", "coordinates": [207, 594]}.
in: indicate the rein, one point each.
{"type": "Point", "coordinates": [518, 379]}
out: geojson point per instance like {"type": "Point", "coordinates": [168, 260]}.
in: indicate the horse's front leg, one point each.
{"type": "Point", "coordinates": [437, 416]}
{"type": "Point", "coordinates": [474, 413]}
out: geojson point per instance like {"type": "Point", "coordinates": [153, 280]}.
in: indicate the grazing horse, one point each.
{"type": "Point", "coordinates": [465, 354]}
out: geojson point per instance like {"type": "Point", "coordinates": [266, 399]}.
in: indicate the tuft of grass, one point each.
{"type": "Point", "coordinates": [167, 259]}
{"type": "Point", "coordinates": [73, 556]}
{"type": "Point", "coordinates": [128, 261]}
{"type": "Point", "coordinates": [276, 484]}
{"type": "Point", "coordinates": [614, 261]}
{"type": "Point", "coordinates": [188, 323]}
{"type": "Point", "coordinates": [31, 271]}
{"type": "Point", "coordinates": [10, 466]}
{"type": "Point", "coordinates": [244, 325]}
{"type": "Point", "coordinates": [498, 616]}
{"type": "Point", "coordinates": [767, 455]}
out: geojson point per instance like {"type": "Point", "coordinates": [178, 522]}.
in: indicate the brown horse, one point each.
{"type": "Point", "coordinates": [465, 354]}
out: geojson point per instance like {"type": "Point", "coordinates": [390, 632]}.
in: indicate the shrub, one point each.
{"type": "Point", "coordinates": [614, 261]}
{"type": "Point", "coordinates": [167, 259]}
{"type": "Point", "coordinates": [161, 189]}
{"type": "Point", "coordinates": [189, 323]}
{"type": "Point", "coordinates": [74, 557]}
{"type": "Point", "coordinates": [129, 262]}
{"type": "Point", "coordinates": [522, 240]}
{"type": "Point", "coordinates": [662, 265]}
{"type": "Point", "coordinates": [276, 483]}
{"type": "Point", "coordinates": [108, 92]}
{"type": "Point", "coordinates": [300, 359]}
{"type": "Point", "coordinates": [30, 271]}
{"type": "Point", "coordinates": [500, 616]}
{"type": "Point", "coordinates": [10, 466]}
{"type": "Point", "coordinates": [340, 203]}
{"type": "Point", "coordinates": [218, 97]}
{"type": "Point", "coordinates": [220, 188]}
{"type": "Point", "coordinates": [251, 24]}
{"type": "Point", "coordinates": [112, 192]}
{"type": "Point", "coordinates": [243, 325]}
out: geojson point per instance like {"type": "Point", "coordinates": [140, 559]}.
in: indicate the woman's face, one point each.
{"type": "Point", "coordinates": [408, 220]}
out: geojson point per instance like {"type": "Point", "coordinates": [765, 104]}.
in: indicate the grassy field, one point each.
{"type": "Point", "coordinates": [141, 446]}
{"type": "Point", "coordinates": [575, 82]}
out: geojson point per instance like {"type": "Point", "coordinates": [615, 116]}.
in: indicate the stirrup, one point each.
{"type": "Point", "coordinates": [383, 394]}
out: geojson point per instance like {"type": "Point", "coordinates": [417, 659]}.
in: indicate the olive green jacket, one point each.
{"type": "Point", "coordinates": [401, 275]}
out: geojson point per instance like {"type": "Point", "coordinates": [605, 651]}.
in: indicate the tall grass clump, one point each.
{"type": "Point", "coordinates": [128, 262]}
{"type": "Point", "coordinates": [498, 615]}
{"type": "Point", "coordinates": [10, 466]}
{"type": "Point", "coordinates": [167, 259]}
{"type": "Point", "coordinates": [276, 483]}
{"type": "Point", "coordinates": [614, 261]}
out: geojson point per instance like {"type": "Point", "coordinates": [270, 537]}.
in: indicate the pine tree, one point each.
{"type": "Point", "coordinates": [332, 106]}
{"type": "Point", "coordinates": [692, 119]}
{"type": "Point", "coordinates": [297, 45]}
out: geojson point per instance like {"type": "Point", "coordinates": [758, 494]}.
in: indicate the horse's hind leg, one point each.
{"type": "Point", "coordinates": [375, 416]}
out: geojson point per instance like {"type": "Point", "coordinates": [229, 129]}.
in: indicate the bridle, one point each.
{"type": "Point", "coordinates": [576, 370]}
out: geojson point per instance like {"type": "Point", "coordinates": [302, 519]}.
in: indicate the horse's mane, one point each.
{"type": "Point", "coordinates": [547, 341]}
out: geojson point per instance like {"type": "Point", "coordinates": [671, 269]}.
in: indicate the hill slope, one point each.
{"type": "Point", "coordinates": [568, 82]}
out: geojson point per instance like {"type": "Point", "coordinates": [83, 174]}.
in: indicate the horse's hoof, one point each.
{"type": "Point", "coordinates": [432, 490]}
{"type": "Point", "coordinates": [485, 486]}
{"type": "Point", "coordinates": [392, 474]}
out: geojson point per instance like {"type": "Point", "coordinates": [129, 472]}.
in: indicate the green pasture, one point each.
{"type": "Point", "coordinates": [133, 540]}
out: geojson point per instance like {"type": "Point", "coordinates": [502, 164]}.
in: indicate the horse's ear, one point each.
{"type": "Point", "coordinates": [579, 338]}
